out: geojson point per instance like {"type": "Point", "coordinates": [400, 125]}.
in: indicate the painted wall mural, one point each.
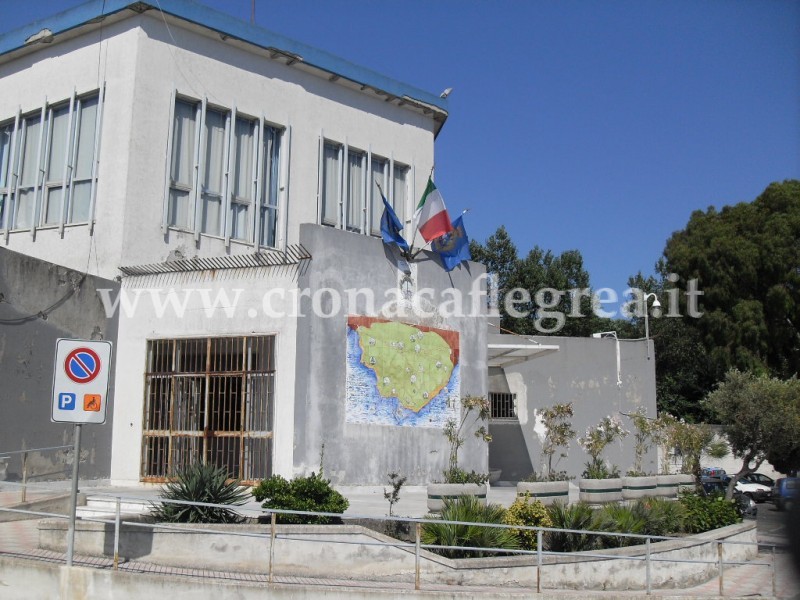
{"type": "Point", "coordinates": [401, 374]}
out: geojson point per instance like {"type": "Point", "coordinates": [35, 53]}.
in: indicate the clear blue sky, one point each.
{"type": "Point", "coordinates": [592, 125]}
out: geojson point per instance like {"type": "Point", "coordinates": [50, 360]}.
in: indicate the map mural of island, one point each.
{"type": "Point", "coordinates": [400, 374]}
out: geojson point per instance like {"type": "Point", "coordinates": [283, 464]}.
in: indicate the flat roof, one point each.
{"type": "Point", "coordinates": [505, 355]}
{"type": "Point", "coordinates": [90, 14]}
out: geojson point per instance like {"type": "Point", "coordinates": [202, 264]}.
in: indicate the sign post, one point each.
{"type": "Point", "coordinates": [80, 395]}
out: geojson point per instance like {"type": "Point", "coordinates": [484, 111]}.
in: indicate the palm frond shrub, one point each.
{"type": "Point", "coordinates": [570, 516]}
{"type": "Point", "coordinates": [468, 509]}
{"type": "Point", "coordinates": [618, 518]}
{"type": "Point", "coordinates": [529, 513]}
{"type": "Point", "coordinates": [662, 516]}
{"type": "Point", "coordinates": [201, 483]}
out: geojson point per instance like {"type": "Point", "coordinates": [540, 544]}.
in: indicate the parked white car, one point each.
{"type": "Point", "coordinates": [756, 491]}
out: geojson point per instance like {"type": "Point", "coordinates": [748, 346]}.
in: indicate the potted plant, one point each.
{"type": "Point", "coordinates": [457, 481]}
{"type": "Point", "coordinates": [601, 482]}
{"type": "Point", "coordinates": [552, 485]}
{"type": "Point", "coordinates": [636, 483]}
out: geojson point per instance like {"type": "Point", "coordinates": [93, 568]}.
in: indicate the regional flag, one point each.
{"type": "Point", "coordinates": [391, 227]}
{"type": "Point", "coordinates": [453, 247]}
{"type": "Point", "coordinates": [431, 215]}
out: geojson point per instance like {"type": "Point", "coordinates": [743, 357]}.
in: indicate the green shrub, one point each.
{"type": "Point", "coordinates": [530, 514]}
{"type": "Point", "coordinates": [618, 518]}
{"type": "Point", "coordinates": [201, 483]}
{"type": "Point", "coordinates": [662, 516]}
{"type": "Point", "coordinates": [573, 516]}
{"type": "Point", "coordinates": [312, 493]}
{"type": "Point", "coordinates": [468, 509]}
{"type": "Point", "coordinates": [459, 475]}
{"type": "Point", "coordinates": [704, 513]}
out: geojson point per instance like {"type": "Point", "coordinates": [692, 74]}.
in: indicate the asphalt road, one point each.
{"type": "Point", "coordinates": [771, 524]}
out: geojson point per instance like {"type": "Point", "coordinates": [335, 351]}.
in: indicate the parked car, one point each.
{"type": "Point", "coordinates": [785, 492]}
{"type": "Point", "coordinates": [712, 472]}
{"type": "Point", "coordinates": [760, 478]}
{"type": "Point", "coordinates": [756, 491]}
{"type": "Point", "coordinates": [716, 485]}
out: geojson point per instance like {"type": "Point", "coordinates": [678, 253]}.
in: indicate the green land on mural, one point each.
{"type": "Point", "coordinates": [410, 365]}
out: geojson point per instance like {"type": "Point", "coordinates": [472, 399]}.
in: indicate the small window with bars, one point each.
{"type": "Point", "coordinates": [504, 405]}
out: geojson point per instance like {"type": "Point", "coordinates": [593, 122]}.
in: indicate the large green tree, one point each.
{"type": "Point", "coordinates": [538, 271]}
{"type": "Point", "coordinates": [746, 260]}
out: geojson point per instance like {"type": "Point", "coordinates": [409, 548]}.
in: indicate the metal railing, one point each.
{"type": "Point", "coordinates": [24, 453]}
{"type": "Point", "coordinates": [720, 563]}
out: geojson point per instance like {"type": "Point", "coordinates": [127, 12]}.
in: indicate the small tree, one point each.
{"type": "Point", "coordinates": [456, 434]}
{"type": "Point", "coordinates": [558, 432]}
{"type": "Point", "coordinates": [393, 497]}
{"type": "Point", "coordinates": [644, 437]}
{"type": "Point", "coordinates": [689, 441]}
{"type": "Point", "coordinates": [758, 414]}
{"type": "Point", "coordinates": [595, 441]}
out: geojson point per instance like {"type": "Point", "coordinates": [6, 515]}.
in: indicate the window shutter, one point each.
{"type": "Point", "coordinates": [259, 175]}
{"type": "Point", "coordinates": [167, 179]}
{"type": "Point", "coordinates": [199, 157]}
{"type": "Point", "coordinates": [283, 183]}
{"type": "Point", "coordinates": [13, 171]}
{"type": "Point", "coordinates": [67, 172]}
{"type": "Point", "coordinates": [96, 158]}
{"type": "Point", "coordinates": [321, 152]}
{"type": "Point", "coordinates": [37, 190]}
{"type": "Point", "coordinates": [227, 188]}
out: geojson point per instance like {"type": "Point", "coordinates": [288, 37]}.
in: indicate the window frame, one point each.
{"type": "Point", "coordinates": [369, 201]}
{"type": "Point", "coordinates": [264, 187]}
{"type": "Point", "coordinates": [47, 178]}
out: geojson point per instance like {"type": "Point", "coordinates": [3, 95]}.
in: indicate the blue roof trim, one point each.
{"type": "Point", "coordinates": [228, 25]}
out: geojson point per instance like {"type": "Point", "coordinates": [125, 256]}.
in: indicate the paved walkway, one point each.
{"type": "Point", "coordinates": [20, 539]}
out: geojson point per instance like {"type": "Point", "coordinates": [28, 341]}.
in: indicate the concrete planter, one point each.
{"type": "Point", "coordinates": [439, 492]}
{"type": "Point", "coordinates": [686, 483]}
{"type": "Point", "coordinates": [634, 488]}
{"type": "Point", "coordinates": [667, 486]}
{"type": "Point", "coordinates": [600, 491]}
{"type": "Point", "coordinates": [547, 492]}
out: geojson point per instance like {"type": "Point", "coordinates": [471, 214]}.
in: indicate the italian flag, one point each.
{"type": "Point", "coordinates": [431, 214]}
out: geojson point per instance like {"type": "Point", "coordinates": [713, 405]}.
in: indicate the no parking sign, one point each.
{"type": "Point", "coordinates": [80, 381]}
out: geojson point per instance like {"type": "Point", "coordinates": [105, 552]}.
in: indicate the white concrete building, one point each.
{"type": "Point", "coordinates": [185, 153]}
{"type": "Point", "coordinates": [212, 188]}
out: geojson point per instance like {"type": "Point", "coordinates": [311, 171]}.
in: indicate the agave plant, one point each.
{"type": "Point", "coordinates": [468, 509]}
{"type": "Point", "coordinates": [201, 483]}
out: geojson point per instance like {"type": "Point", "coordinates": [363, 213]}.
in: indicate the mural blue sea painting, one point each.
{"type": "Point", "coordinates": [400, 374]}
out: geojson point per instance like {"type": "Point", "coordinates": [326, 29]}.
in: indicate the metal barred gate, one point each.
{"type": "Point", "coordinates": [209, 400]}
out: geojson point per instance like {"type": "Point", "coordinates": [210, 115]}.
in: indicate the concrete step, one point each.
{"type": "Point", "coordinates": [103, 507]}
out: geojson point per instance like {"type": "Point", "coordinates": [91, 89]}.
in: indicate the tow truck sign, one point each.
{"type": "Point", "coordinates": [80, 381]}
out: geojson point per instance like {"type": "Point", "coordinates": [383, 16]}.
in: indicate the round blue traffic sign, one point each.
{"type": "Point", "coordinates": [82, 365]}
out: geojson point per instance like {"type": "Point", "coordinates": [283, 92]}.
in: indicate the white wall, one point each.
{"type": "Point", "coordinates": [248, 318]}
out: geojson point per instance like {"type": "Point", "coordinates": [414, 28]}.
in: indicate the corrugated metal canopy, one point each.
{"type": "Point", "coordinates": [505, 355]}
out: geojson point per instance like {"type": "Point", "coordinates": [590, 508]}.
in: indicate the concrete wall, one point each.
{"type": "Point", "coordinates": [583, 372]}
{"type": "Point", "coordinates": [359, 453]}
{"type": "Point", "coordinates": [27, 351]}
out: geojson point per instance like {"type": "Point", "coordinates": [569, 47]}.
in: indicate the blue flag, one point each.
{"type": "Point", "coordinates": [453, 247]}
{"type": "Point", "coordinates": [391, 227]}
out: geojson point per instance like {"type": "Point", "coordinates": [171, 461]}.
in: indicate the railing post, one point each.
{"type": "Point", "coordinates": [538, 561]}
{"type": "Point", "coordinates": [774, 576]}
{"type": "Point", "coordinates": [24, 491]}
{"type": "Point", "coordinates": [272, 520]}
{"type": "Point", "coordinates": [416, 555]}
{"type": "Point", "coordinates": [647, 565]}
{"type": "Point", "coordinates": [721, 567]}
{"type": "Point", "coordinates": [116, 534]}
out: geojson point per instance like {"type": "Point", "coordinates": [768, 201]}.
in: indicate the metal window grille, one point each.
{"type": "Point", "coordinates": [209, 400]}
{"type": "Point", "coordinates": [504, 405]}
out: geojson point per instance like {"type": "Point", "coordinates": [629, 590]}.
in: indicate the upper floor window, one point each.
{"type": "Point", "coordinates": [223, 174]}
{"type": "Point", "coordinates": [350, 184]}
{"type": "Point", "coordinates": [48, 165]}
